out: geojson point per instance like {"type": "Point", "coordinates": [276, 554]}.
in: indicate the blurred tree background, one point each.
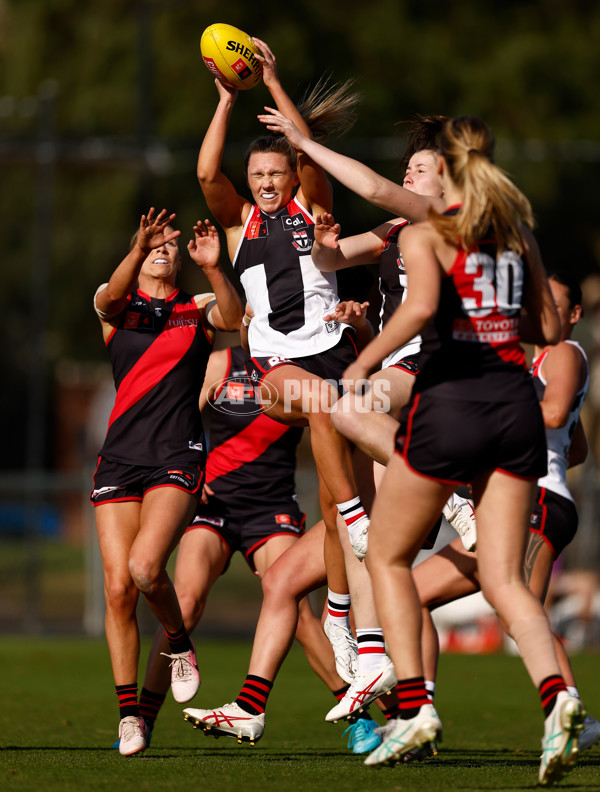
{"type": "Point", "coordinates": [103, 106]}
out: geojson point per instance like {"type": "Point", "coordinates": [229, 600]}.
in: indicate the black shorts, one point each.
{"type": "Point", "coordinates": [247, 532]}
{"type": "Point", "coordinates": [115, 482]}
{"type": "Point", "coordinates": [454, 440]}
{"type": "Point", "coordinates": [555, 519]}
{"type": "Point", "coordinates": [411, 364]}
{"type": "Point", "coordinates": [328, 365]}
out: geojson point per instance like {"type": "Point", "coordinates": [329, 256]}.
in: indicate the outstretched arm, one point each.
{"type": "Point", "coordinates": [151, 234]}
{"type": "Point", "coordinates": [314, 185]}
{"type": "Point", "coordinates": [205, 250]}
{"type": "Point", "coordinates": [353, 174]}
{"type": "Point", "coordinates": [330, 253]}
{"type": "Point", "coordinates": [220, 194]}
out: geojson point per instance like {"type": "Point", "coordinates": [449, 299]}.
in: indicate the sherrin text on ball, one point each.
{"type": "Point", "coordinates": [230, 55]}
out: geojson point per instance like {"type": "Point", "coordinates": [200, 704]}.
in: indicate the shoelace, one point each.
{"type": "Point", "coordinates": [358, 731]}
{"type": "Point", "coordinates": [130, 729]}
{"type": "Point", "coordinates": [182, 666]}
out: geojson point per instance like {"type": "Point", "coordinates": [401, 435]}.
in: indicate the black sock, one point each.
{"type": "Point", "coordinates": [150, 704]}
{"type": "Point", "coordinates": [339, 694]}
{"type": "Point", "coordinates": [412, 695]}
{"type": "Point", "coordinates": [549, 689]}
{"type": "Point", "coordinates": [128, 703]}
{"type": "Point", "coordinates": [179, 641]}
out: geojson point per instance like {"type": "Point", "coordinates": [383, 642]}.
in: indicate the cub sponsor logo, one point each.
{"type": "Point", "coordinates": [331, 326]}
{"type": "Point", "coordinates": [294, 222]}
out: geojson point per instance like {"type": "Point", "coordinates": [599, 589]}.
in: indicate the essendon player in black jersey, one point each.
{"type": "Point", "coordinates": [560, 377]}
{"type": "Point", "coordinates": [249, 505]}
{"type": "Point", "coordinates": [470, 274]}
{"type": "Point", "coordinates": [151, 464]}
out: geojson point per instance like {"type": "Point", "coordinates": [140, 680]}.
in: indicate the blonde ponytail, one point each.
{"type": "Point", "coordinates": [489, 197]}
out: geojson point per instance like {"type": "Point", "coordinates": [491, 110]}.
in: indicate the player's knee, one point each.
{"type": "Point", "coordinates": [120, 595]}
{"type": "Point", "coordinates": [276, 583]}
{"type": "Point", "coordinates": [145, 574]}
{"type": "Point", "coordinates": [345, 420]}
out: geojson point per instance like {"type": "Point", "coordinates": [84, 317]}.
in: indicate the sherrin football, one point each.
{"type": "Point", "coordinates": [230, 55]}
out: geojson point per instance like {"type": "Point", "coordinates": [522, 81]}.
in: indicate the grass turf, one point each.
{"type": "Point", "coordinates": [58, 721]}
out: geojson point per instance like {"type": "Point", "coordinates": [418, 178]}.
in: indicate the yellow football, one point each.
{"type": "Point", "coordinates": [230, 55]}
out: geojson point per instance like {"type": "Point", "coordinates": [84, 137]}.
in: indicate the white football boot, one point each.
{"type": "Point", "coordinates": [344, 647]}
{"type": "Point", "coordinates": [364, 689]}
{"type": "Point", "coordinates": [560, 742]}
{"type": "Point", "coordinates": [230, 720]}
{"type": "Point", "coordinates": [132, 735]}
{"type": "Point", "coordinates": [359, 537]}
{"type": "Point", "coordinates": [402, 736]}
{"type": "Point", "coordinates": [185, 677]}
{"type": "Point", "coordinates": [461, 516]}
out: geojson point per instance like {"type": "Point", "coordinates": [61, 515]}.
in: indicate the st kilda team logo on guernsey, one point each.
{"type": "Point", "coordinates": [301, 241]}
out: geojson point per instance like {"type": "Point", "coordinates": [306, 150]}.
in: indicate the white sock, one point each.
{"type": "Point", "coordinates": [338, 608]}
{"type": "Point", "coordinates": [371, 649]}
{"type": "Point", "coordinates": [352, 511]}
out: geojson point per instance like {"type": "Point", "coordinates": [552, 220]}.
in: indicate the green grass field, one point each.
{"type": "Point", "coordinates": [58, 721]}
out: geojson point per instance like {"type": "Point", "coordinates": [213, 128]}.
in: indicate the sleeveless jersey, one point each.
{"type": "Point", "coordinates": [158, 354]}
{"type": "Point", "coordinates": [392, 287]}
{"type": "Point", "coordinates": [392, 275]}
{"type": "Point", "coordinates": [472, 343]}
{"type": "Point", "coordinates": [251, 456]}
{"type": "Point", "coordinates": [559, 440]}
{"type": "Point", "coordinates": [288, 294]}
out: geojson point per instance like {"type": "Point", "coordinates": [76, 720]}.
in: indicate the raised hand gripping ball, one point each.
{"type": "Point", "coordinates": [230, 55]}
